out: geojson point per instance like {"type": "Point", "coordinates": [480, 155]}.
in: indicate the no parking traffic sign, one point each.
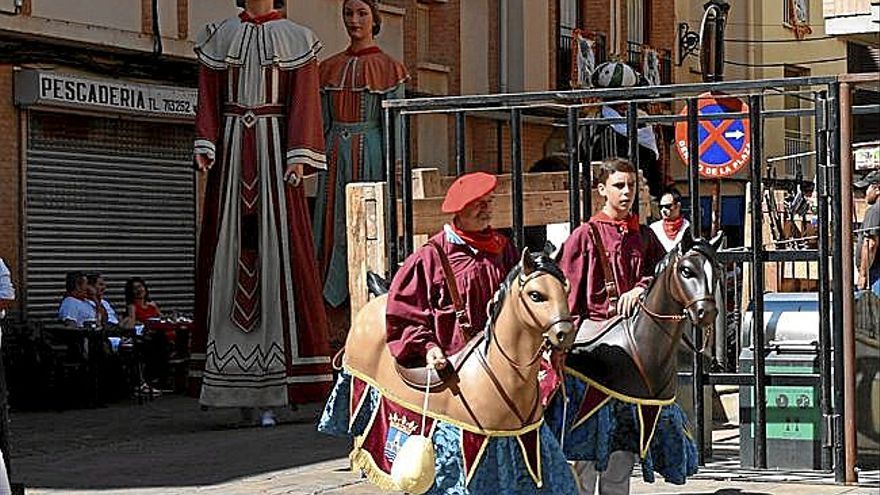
{"type": "Point", "coordinates": [725, 144]}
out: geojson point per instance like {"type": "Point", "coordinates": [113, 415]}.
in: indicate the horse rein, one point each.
{"type": "Point", "coordinates": [544, 331]}
{"type": "Point", "coordinates": [481, 356]}
{"type": "Point", "coordinates": [678, 317]}
{"type": "Point", "coordinates": [685, 305]}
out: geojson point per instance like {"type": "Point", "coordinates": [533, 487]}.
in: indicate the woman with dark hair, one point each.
{"type": "Point", "coordinates": [353, 85]}
{"type": "Point", "coordinates": [138, 302]}
{"type": "Point", "coordinates": [154, 349]}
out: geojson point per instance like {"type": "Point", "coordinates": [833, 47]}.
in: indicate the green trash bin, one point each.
{"type": "Point", "coordinates": [794, 418]}
{"type": "Point", "coordinates": [794, 415]}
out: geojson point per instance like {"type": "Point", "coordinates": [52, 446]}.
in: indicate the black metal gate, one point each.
{"type": "Point", "coordinates": [564, 109]}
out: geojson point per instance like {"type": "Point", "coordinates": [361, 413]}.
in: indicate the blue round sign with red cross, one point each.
{"type": "Point", "coordinates": [725, 144]}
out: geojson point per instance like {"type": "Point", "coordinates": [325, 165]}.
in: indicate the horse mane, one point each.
{"type": "Point", "coordinates": [699, 245]}
{"type": "Point", "coordinates": [542, 263]}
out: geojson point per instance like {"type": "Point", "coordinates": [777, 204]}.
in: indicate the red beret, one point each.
{"type": "Point", "coordinates": [467, 189]}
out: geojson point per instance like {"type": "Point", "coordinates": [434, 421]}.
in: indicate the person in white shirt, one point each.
{"type": "Point", "coordinates": [7, 291]}
{"type": "Point", "coordinates": [75, 308]}
{"type": "Point", "coordinates": [7, 296]}
{"type": "Point", "coordinates": [96, 289]}
{"type": "Point", "coordinates": [672, 227]}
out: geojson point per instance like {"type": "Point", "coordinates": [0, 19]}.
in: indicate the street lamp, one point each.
{"type": "Point", "coordinates": [712, 40]}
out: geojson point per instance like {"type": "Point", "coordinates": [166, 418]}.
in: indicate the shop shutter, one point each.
{"type": "Point", "coordinates": [109, 195]}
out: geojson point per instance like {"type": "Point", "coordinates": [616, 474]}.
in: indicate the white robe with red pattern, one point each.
{"type": "Point", "coordinates": [261, 331]}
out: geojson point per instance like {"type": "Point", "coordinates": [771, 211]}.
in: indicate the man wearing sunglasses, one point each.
{"type": "Point", "coordinates": [672, 227]}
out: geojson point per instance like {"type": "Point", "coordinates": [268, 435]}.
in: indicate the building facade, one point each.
{"type": "Point", "coordinates": [772, 40]}
{"type": "Point", "coordinates": [97, 104]}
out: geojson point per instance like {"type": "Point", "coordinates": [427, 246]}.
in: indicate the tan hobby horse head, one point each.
{"type": "Point", "coordinates": [497, 381]}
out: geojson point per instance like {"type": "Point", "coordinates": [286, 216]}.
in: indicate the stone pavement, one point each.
{"type": "Point", "coordinates": [169, 447]}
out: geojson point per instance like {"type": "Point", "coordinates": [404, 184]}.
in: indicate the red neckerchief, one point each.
{"type": "Point", "coordinates": [489, 240]}
{"type": "Point", "coordinates": [364, 51]}
{"type": "Point", "coordinates": [671, 227]}
{"type": "Point", "coordinates": [273, 15]}
{"type": "Point", "coordinates": [629, 224]}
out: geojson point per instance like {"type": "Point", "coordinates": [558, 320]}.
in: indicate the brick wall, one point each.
{"type": "Point", "coordinates": [146, 16]}
{"type": "Point", "coordinates": [482, 144]}
{"type": "Point", "coordinates": [494, 51]}
{"type": "Point", "coordinates": [662, 29]}
{"type": "Point", "coordinates": [182, 19]}
{"type": "Point", "coordinates": [445, 35]}
{"type": "Point", "coordinates": [553, 32]}
{"type": "Point", "coordinates": [660, 17]}
{"type": "Point", "coordinates": [596, 16]}
{"type": "Point", "coordinates": [10, 177]}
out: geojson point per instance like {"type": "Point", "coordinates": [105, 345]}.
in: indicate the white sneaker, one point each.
{"type": "Point", "coordinates": [267, 418]}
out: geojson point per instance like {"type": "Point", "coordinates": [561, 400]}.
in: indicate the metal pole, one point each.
{"type": "Point", "coordinates": [391, 192]}
{"type": "Point", "coordinates": [694, 193]}
{"type": "Point", "coordinates": [716, 207]}
{"type": "Point", "coordinates": [758, 255]}
{"type": "Point", "coordinates": [821, 130]}
{"type": "Point", "coordinates": [588, 174]}
{"type": "Point", "coordinates": [837, 287]}
{"type": "Point", "coordinates": [516, 171]}
{"type": "Point", "coordinates": [574, 189]}
{"type": "Point", "coordinates": [694, 166]}
{"type": "Point", "coordinates": [846, 253]}
{"type": "Point", "coordinates": [406, 186]}
{"type": "Point", "coordinates": [632, 133]}
{"type": "Point", "coordinates": [460, 166]}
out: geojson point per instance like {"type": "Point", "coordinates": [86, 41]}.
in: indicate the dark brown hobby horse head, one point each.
{"type": "Point", "coordinates": [635, 357]}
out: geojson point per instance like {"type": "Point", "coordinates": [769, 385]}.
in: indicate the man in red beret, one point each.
{"type": "Point", "coordinates": [420, 319]}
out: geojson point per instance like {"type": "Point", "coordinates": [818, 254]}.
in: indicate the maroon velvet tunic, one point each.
{"type": "Point", "coordinates": [420, 313]}
{"type": "Point", "coordinates": [632, 259]}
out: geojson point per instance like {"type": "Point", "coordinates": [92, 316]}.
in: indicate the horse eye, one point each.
{"type": "Point", "coordinates": [687, 272]}
{"type": "Point", "coordinates": [536, 296]}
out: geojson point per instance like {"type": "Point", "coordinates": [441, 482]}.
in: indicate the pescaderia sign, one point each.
{"type": "Point", "coordinates": [35, 87]}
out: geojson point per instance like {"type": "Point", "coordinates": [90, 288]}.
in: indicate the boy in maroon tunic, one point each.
{"type": "Point", "coordinates": [420, 319]}
{"type": "Point", "coordinates": [632, 251]}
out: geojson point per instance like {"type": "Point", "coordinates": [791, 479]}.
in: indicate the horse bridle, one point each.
{"type": "Point", "coordinates": [481, 354]}
{"type": "Point", "coordinates": [686, 304]}
{"type": "Point", "coordinates": [684, 310]}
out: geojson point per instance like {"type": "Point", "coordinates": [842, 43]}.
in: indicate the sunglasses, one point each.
{"type": "Point", "coordinates": [667, 206]}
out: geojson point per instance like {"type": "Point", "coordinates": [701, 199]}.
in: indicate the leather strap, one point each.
{"type": "Point", "coordinates": [607, 270]}
{"type": "Point", "coordinates": [524, 420]}
{"type": "Point", "coordinates": [464, 322]}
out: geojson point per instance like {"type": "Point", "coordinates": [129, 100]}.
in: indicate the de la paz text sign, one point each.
{"type": "Point", "coordinates": [725, 143]}
{"type": "Point", "coordinates": [34, 87]}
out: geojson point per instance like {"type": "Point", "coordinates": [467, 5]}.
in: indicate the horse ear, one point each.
{"type": "Point", "coordinates": [717, 240]}
{"type": "Point", "coordinates": [687, 242]}
{"type": "Point", "coordinates": [526, 262]}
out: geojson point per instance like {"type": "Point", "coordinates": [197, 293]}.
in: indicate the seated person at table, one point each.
{"type": "Point", "coordinates": [75, 308]}
{"type": "Point", "coordinates": [141, 308]}
{"type": "Point", "coordinates": [106, 315]}
{"type": "Point", "coordinates": [137, 300]}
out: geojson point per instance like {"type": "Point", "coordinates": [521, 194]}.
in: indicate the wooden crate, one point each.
{"type": "Point", "coordinates": [545, 201]}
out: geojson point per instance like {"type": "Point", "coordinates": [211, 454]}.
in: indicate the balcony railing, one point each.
{"type": "Point", "coordinates": [565, 44]}
{"type": "Point", "coordinates": [636, 54]}
{"type": "Point", "coordinates": [796, 146]}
